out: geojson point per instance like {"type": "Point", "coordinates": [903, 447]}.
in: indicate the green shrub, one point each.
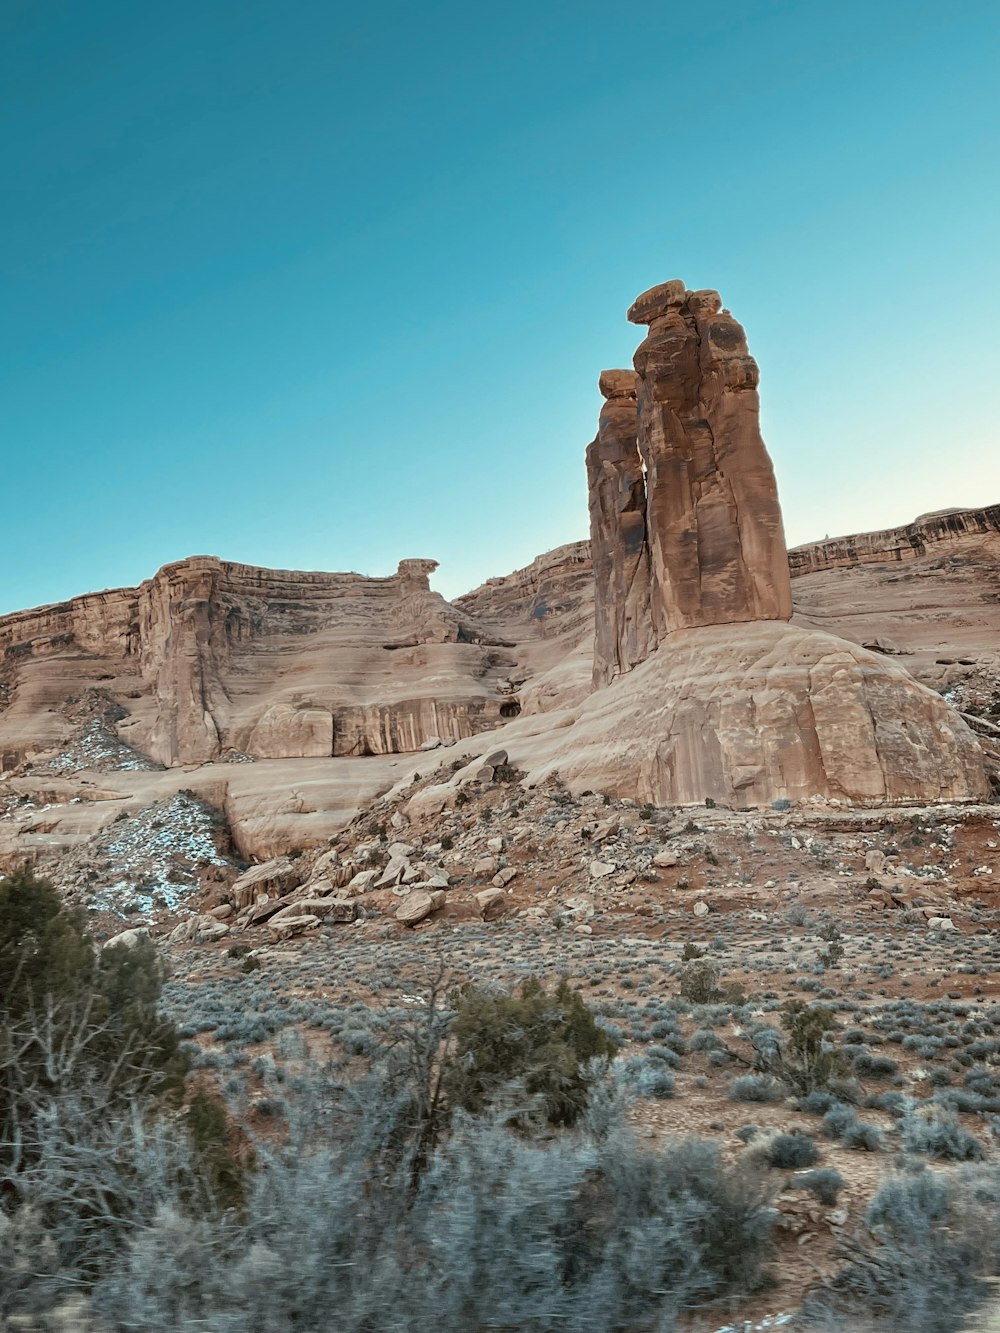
{"type": "Point", "coordinates": [543, 1041]}
{"type": "Point", "coordinates": [72, 1017]}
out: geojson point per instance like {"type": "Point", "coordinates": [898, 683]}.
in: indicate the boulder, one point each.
{"type": "Point", "coordinates": [420, 905]}
{"type": "Point", "coordinates": [601, 869]}
{"type": "Point", "coordinates": [432, 800]}
{"type": "Point", "coordinates": [328, 909]}
{"type": "Point", "coordinates": [272, 878]}
{"type": "Point", "coordinates": [491, 903]}
{"type": "Point", "coordinates": [393, 873]}
{"type": "Point", "coordinates": [363, 880]}
{"type": "Point", "coordinates": [292, 925]}
{"type": "Point", "coordinates": [127, 939]}
{"type": "Point", "coordinates": [940, 923]}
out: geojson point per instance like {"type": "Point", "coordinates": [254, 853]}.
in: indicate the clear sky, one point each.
{"type": "Point", "coordinates": [322, 286]}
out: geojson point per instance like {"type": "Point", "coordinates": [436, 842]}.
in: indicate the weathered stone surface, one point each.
{"type": "Point", "coordinates": [620, 553]}
{"type": "Point", "coordinates": [127, 939]}
{"type": "Point", "coordinates": [273, 878]}
{"type": "Point", "coordinates": [491, 903]}
{"type": "Point", "coordinates": [220, 658]}
{"type": "Point", "coordinates": [930, 532]}
{"type": "Point", "coordinates": [752, 713]}
{"type": "Point", "coordinates": [328, 909]}
{"type": "Point", "coordinates": [716, 541]}
{"type": "Point", "coordinates": [733, 703]}
{"type": "Point", "coordinates": [420, 905]}
{"type": "Point", "coordinates": [292, 925]}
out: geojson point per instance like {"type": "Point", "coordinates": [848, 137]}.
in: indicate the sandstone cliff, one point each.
{"type": "Point", "coordinates": [946, 531]}
{"type": "Point", "coordinates": [210, 657]}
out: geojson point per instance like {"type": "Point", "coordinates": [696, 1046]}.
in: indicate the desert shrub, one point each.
{"type": "Point", "coordinates": [218, 1176]}
{"type": "Point", "coordinates": [863, 1137]}
{"type": "Point", "coordinates": [939, 1134]}
{"type": "Point", "coordinates": [838, 1119]}
{"type": "Point", "coordinates": [919, 1260]}
{"type": "Point", "coordinates": [816, 1102]}
{"type": "Point", "coordinates": [651, 1078]}
{"type": "Point", "coordinates": [666, 1054]}
{"type": "Point", "coordinates": [756, 1088]}
{"type": "Point", "coordinates": [873, 1066]}
{"type": "Point", "coordinates": [705, 1040]}
{"type": "Point", "coordinates": [511, 1234]}
{"type": "Point", "coordinates": [546, 1042]}
{"type": "Point", "coordinates": [826, 1184]}
{"type": "Point", "coordinates": [805, 1061]}
{"type": "Point", "coordinates": [699, 982]}
{"type": "Point", "coordinates": [894, 1103]}
{"type": "Point", "coordinates": [791, 1151]}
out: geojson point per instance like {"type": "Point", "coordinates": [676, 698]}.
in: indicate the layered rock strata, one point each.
{"type": "Point", "coordinates": [211, 657]}
{"type": "Point", "coordinates": [949, 531]}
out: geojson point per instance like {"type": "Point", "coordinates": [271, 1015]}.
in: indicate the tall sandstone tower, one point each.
{"type": "Point", "coordinates": [704, 686]}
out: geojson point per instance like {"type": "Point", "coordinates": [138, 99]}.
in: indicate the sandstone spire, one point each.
{"type": "Point", "coordinates": [622, 619]}
{"type": "Point", "coordinates": [717, 546]}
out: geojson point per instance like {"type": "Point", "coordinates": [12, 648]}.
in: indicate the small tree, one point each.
{"type": "Point", "coordinates": [804, 1061]}
{"type": "Point", "coordinates": [543, 1041]}
{"type": "Point", "coordinates": [73, 1019]}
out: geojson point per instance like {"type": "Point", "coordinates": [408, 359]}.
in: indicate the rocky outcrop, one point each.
{"type": "Point", "coordinates": [733, 703]}
{"type": "Point", "coordinates": [210, 657]}
{"type": "Point", "coordinates": [623, 626]}
{"type": "Point", "coordinates": [749, 714]}
{"type": "Point", "coordinates": [944, 531]}
{"type": "Point", "coordinates": [547, 609]}
{"type": "Point", "coordinates": [717, 545]}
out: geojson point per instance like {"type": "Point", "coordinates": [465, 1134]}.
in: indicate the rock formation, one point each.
{"type": "Point", "coordinates": [732, 703]}
{"type": "Point", "coordinates": [623, 627]}
{"type": "Point", "coordinates": [717, 546]}
{"type": "Point", "coordinates": [210, 657]}
{"type": "Point", "coordinates": [948, 530]}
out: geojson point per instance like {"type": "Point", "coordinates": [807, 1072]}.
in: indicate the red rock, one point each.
{"type": "Point", "coordinates": [623, 629]}
{"type": "Point", "coordinates": [717, 545]}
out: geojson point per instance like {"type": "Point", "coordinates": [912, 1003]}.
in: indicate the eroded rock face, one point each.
{"type": "Point", "coordinates": [718, 697]}
{"type": "Point", "coordinates": [623, 626]}
{"type": "Point", "coordinates": [752, 713]}
{"type": "Point", "coordinates": [210, 657]}
{"type": "Point", "coordinates": [717, 545]}
{"type": "Point", "coordinates": [949, 531]}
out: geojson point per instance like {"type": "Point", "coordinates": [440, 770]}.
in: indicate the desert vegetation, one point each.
{"type": "Point", "coordinates": [464, 1143]}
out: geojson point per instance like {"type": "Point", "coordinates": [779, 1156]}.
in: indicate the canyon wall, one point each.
{"type": "Point", "coordinates": [210, 658]}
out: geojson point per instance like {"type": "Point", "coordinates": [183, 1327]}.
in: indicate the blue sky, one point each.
{"type": "Point", "coordinates": [322, 286]}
